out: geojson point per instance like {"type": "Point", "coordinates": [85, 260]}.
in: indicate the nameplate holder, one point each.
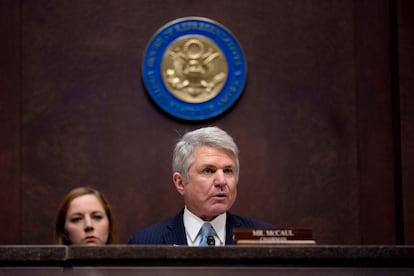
{"type": "Point", "coordinates": [289, 236]}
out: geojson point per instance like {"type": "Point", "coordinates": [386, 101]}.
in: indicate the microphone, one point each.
{"type": "Point", "coordinates": [211, 240]}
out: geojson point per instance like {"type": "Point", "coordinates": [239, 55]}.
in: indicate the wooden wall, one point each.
{"type": "Point", "coordinates": [324, 124]}
{"type": "Point", "coordinates": [405, 77]}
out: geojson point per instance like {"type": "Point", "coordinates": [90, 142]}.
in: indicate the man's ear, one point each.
{"type": "Point", "coordinates": [178, 182]}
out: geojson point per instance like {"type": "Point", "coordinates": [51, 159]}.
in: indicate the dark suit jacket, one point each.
{"type": "Point", "coordinates": [172, 230]}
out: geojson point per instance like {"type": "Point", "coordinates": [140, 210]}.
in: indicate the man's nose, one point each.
{"type": "Point", "coordinates": [219, 178]}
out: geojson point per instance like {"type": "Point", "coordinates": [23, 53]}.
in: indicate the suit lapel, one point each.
{"type": "Point", "coordinates": [175, 233]}
{"type": "Point", "coordinates": [231, 222]}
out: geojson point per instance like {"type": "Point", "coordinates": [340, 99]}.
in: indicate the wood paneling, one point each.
{"type": "Point", "coordinates": [375, 122]}
{"type": "Point", "coordinates": [406, 88]}
{"type": "Point", "coordinates": [314, 123]}
{"type": "Point", "coordinates": [10, 139]}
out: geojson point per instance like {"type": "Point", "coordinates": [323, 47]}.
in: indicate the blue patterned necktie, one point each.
{"type": "Point", "coordinates": [207, 235]}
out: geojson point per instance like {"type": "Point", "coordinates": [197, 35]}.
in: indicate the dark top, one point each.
{"type": "Point", "coordinates": [172, 231]}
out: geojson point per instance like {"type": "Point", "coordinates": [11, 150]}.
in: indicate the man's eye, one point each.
{"type": "Point", "coordinates": [229, 171]}
{"type": "Point", "coordinates": [208, 171]}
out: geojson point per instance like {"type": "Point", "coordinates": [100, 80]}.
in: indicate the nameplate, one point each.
{"type": "Point", "coordinates": [273, 236]}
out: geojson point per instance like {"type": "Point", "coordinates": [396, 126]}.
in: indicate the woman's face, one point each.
{"type": "Point", "coordinates": [86, 221]}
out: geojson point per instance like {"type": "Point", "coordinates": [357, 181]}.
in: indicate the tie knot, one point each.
{"type": "Point", "coordinates": [207, 235]}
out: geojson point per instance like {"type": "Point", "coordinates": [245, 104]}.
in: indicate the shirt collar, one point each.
{"type": "Point", "coordinates": [192, 225]}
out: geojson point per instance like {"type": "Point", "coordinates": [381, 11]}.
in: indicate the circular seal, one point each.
{"type": "Point", "coordinates": [194, 68]}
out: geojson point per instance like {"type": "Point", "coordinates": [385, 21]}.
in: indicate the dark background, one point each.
{"type": "Point", "coordinates": [325, 124]}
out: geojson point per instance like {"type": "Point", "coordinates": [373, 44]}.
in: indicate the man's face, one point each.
{"type": "Point", "coordinates": [211, 189]}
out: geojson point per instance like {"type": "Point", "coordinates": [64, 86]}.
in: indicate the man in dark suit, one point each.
{"type": "Point", "coordinates": [205, 173]}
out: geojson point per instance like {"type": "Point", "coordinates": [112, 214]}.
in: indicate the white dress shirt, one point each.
{"type": "Point", "coordinates": [193, 224]}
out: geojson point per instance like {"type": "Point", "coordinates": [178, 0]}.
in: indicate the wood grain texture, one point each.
{"type": "Point", "coordinates": [314, 123]}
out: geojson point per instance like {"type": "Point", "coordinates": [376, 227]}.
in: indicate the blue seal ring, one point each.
{"type": "Point", "coordinates": [225, 41]}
